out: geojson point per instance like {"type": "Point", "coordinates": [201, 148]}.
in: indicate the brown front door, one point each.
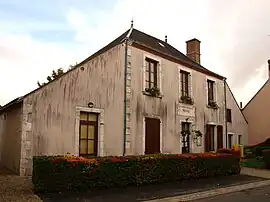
{"type": "Point", "coordinates": [152, 136]}
{"type": "Point", "coordinates": [219, 137]}
{"type": "Point", "coordinates": [88, 134]}
{"type": "Point", "coordinates": [209, 138]}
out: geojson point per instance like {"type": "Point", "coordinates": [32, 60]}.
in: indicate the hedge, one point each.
{"type": "Point", "coordinates": [266, 158]}
{"type": "Point", "coordinates": [259, 149]}
{"type": "Point", "coordinates": [230, 151]}
{"type": "Point", "coordinates": [64, 174]}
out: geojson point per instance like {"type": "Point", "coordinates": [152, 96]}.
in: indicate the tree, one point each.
{"type": "Point", "coordinates": [54, 75]}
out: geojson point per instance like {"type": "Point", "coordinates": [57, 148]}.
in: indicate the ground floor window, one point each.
{"type": "Point", "coordinates": [239, 139]}
{"type": "Point", "coordinates": [230, 138]}
{"type": "Point", "coordinates": [88, 134]}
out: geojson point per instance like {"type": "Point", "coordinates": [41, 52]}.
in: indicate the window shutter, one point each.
{"type": "Point", "coordinates": [143, 74]}
{"type": "Point", "coordinates": [159, 76]}
{"type": "Point", "coordinates": [215, 91]}
{"type": "Point", "coordinates": [190, 85]}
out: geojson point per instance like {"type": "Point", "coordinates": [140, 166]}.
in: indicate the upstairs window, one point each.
{"type": "Point", "coordinates": [151, 73]}
{"type": "Point", "coordinates": [210, 87]}
{"type": "Point", "coordinates": [184, 79]}
{"type": "Point", "coordinates": [229, 115]}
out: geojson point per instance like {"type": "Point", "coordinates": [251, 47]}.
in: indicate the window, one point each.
{"type": "Point", "coordinates": [239, 139]}
{"type": "Point", "coordinates": [151, 73]}
{"type": "Point", "coordinates": [209, 138]}
{"type": "Point", "coordinates": [230, 137]}
{"type": "Point", "coordinates": [184, 79]}
{"type": "Point", "coordinates": [210, 87]}
{"type": "Point", "coordinates": [229, 115]}
{"type": "Point", "coordinates": [88, 134]}
{"type": "Point", "coordinates": [185, 137]}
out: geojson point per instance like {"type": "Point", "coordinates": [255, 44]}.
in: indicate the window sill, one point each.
{"type": "Point", "coordinates": [186, 103]}
{"type": "Point", "coordinates": [149, 94]}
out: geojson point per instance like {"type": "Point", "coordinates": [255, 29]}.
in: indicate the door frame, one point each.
{"type": "Point", "coordinates": [160, 135]}
{"type": "Point", "coordinates": [100, 113]}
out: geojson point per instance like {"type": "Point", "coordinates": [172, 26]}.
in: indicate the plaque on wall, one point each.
{"type": "Point", "coordinates": [185, 110]}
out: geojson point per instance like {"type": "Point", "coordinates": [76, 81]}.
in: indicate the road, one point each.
{"type": "Point", "coordinates": [261, 194]}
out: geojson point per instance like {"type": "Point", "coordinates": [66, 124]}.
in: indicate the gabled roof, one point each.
{"type": "Point", "coordinates": [147, 41]}
{"type": "Point", "coordinates": [255, 94]}
{"type": "Point", "coordinates": [236, 102]}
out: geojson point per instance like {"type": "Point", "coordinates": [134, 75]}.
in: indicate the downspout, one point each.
{"type": "Point", "coordinates": [125, 96]}
{"type": "Point", "coordinates": [226, 126]}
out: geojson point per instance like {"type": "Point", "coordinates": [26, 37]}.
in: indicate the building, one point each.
{"type": "Point", "coordinates": [255, 112]}
{"type": "Point", "coordinates": [137, 95]}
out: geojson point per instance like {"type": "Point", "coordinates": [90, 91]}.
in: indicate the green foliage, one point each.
{"type": "Point", "coordinates": [62, 174]}
{"type": "Point", "coordinates": [253, 163]}
{"type": "Point", "coordinates": [259, 149]}
{"type": "Point", "coordinates": [266, 158]}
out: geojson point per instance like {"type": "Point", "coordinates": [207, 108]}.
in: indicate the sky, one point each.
{"type": "Point", "coordinates": [39, 36]}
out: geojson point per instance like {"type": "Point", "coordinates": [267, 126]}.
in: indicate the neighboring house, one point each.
{"type": "Point", "coordinates": [256, 112]}
{"type": "Point", "coordinates": [237, 125]}
{"type": "Point", "coordinates": [137, 95]}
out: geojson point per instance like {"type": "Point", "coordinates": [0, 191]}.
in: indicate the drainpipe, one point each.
{"type": "Point", "coordinates": [226, 127]}
{"type": "Point", "coordinates": [125, 97]}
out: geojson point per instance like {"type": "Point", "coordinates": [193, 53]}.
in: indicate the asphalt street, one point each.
{"type": "Point", "coordinates": [261, 194]}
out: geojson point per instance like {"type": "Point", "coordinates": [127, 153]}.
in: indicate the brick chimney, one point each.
{"type": "Point", "coordinates": [193, 50]}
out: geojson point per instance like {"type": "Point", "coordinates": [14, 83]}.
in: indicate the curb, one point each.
{"type": "Point", "coordinates": [211, 193]}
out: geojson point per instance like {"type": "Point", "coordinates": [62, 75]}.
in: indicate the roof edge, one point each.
{"type": "Point", "coordinates": [255, 94]}
{"type": "Point", "coordinates": [236, 102]}
{"type": "Point", "coordinates": [11, 103]}
{"type": "Point", "coordinates": [206, 71]}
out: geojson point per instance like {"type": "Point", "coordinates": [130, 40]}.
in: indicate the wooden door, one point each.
{"type": "Point", "coordinates": [88, 134]}
{"type": "Point", "coordinates": [152, 136]}
{"type": "Point", "coordinates": [219, 137]}
{"type": "Point", "coordinates": [209, 138]}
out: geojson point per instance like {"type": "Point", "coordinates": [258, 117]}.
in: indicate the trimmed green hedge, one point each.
{"type": "Point", "coordinates": [259, 149]}
{"type": "Point", "coordinates": [266, 158]}
{"type": "Point", "coordinates": [62, 174]}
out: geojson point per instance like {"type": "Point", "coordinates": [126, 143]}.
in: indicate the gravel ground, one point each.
{"type": "Point", "coordinates": [15, 188]}
{"type": "Point", "coordinates": [261, 194]}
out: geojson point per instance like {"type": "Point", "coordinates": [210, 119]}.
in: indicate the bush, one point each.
{"type": "Point", "coordinates": [61, 174]}
{"type": "Point", "coordinates": [230, 151]}
{"type": "Point", "coordinates": [266, 158]}
{"type": "Point", "coordinates": [259, 149]}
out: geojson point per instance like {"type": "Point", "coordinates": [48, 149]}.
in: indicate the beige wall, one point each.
{"type": "Point", "coordinates": [257, 114]}
{"type": "Point", "coordinates": [10, 138]}
{"type": "Point", "coordinates": [238, 126]}
{"type": "Point", "coordinates": [166, 107]}
{"type": "Point", "coordinates": [50, 112]}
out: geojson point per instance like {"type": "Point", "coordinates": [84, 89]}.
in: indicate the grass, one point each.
{"type": "Point", "coordinates": [253, 163]}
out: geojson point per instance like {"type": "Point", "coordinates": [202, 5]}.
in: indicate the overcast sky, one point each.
{"type": "Point", "coordinates": [39, 36]}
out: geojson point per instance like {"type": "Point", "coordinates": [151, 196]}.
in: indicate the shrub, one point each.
{"type": "Point", "coordinates": [230, 151]}
{"type": "Point", "coordinates": [61, 174]}
{"type": "Point", "coordinates": [266, 158]}
{"type": "Point", "coordinates": [259, 149]}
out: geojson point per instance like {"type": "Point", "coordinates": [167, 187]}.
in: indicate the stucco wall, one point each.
{"type": "Point", "coordinates": [238, 126]}
{"type": "Point", "coordinates": [257, 114]}
{"type": "Point", "coordinates": [166, 107]}
{"type": "Point", "coordinates": [50, 112]}
{"type": "Point", "coordinates": [10, 138]}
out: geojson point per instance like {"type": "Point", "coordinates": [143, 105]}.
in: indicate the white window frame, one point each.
{"type": "Point", "coordinates": [214, 88]}
{"type": "Point", "coordinates": [159, 69]}
{"type": "Point", "coordinates": [161, 133]}
{"type": "Point", "coordinates": [179, 81]}
{"type": "Point", "coordinates": [100, 113]}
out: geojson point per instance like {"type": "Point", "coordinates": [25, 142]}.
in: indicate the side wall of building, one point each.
{"type": "Point", "coordinates": [238, 125]}
{"type": "Point", "coordinates": [257, 115]}
{"type": "Point", "coordinates": [51, 113]}
{"type": "Point", "coordinates": [10, 138]}
{"type": "Point", "coordinates": [167, 108]}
